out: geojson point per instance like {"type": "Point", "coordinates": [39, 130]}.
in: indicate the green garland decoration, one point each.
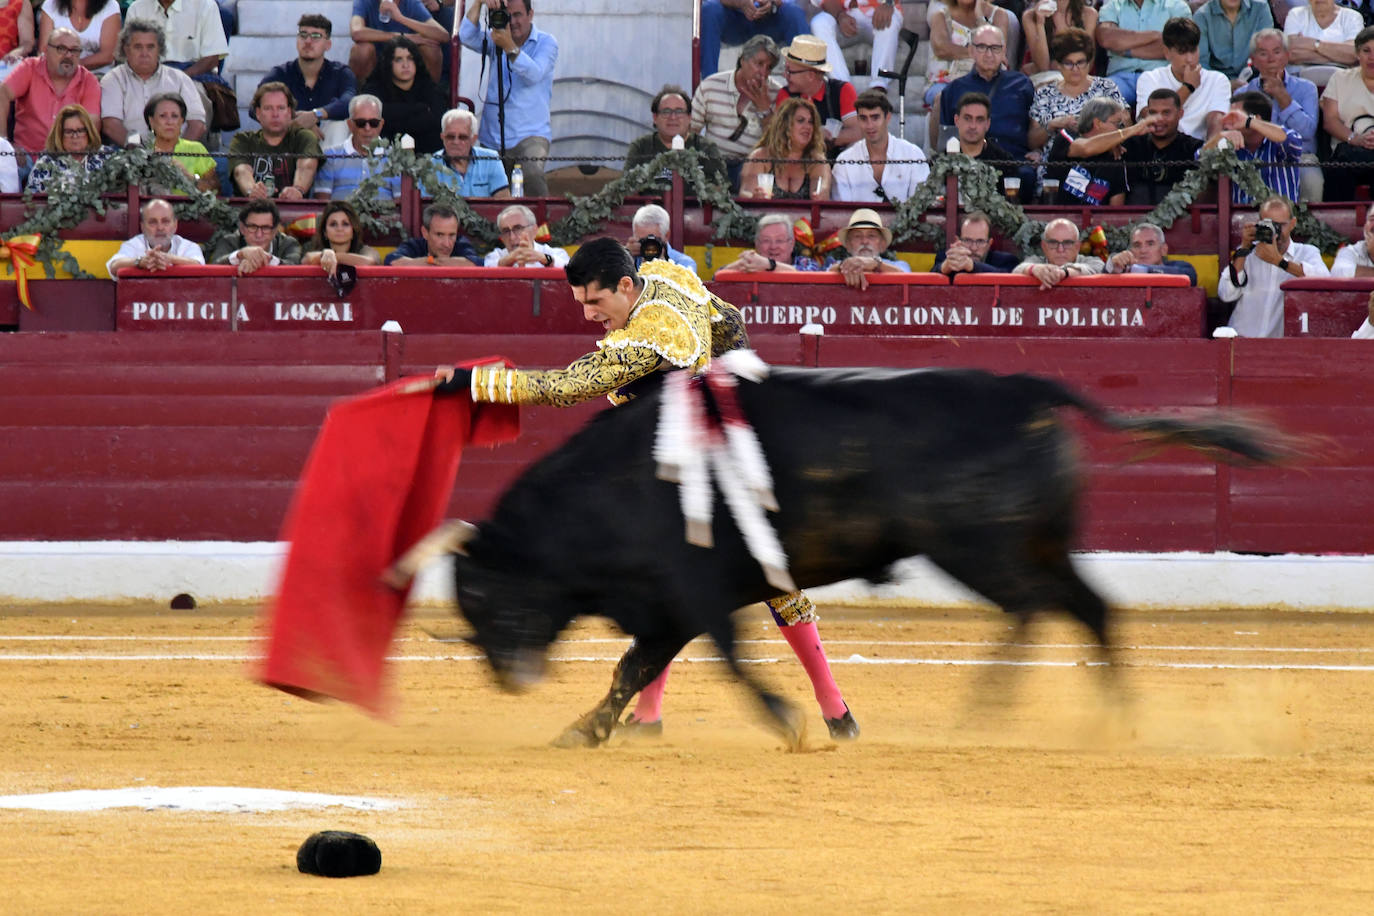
{"type": "Point", "coordinates": [72, 201]}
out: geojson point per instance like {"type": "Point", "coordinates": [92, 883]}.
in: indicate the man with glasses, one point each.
{"type": "Point", "coordinates": [730, 107]}
{"type": "Point", "coordinates": [880, 167]}
{"type": "Point", "coordinates": [41, 86]}
{"type": "Point", "coordinates": [1009, 92]}
{"type": "Point", "coordinates": [1060, 244]}
{"type": "Point", "coordinates": [972, 251]}
{"type": "Point", "coordinates": [807, 73]}
{"type": "Point", "coordinates": [470, 169]}
{"type": "Point", "coordinates": [517, 226]}
{"type": "Point", "coordinates": [321, 87]}
{"type": "Point", "coordinates": [1130, 30]}
{"type": "Point", "coordinates": [259, 242]}
{"type": "Point", "coordinates": [441, 242]}
{"type": "Point", "coordinates": [672, 115]}
{"type": "Point", "coordinates": [1096, 178]}
{"type": "Point", "coordinates": [158, 247]}
{"type": "Point", "coordinates": [348, 164]}
{"type": "Point", "coordinates": [1206, 94]}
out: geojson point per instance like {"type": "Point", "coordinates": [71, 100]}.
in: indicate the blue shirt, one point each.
{"type": "Point", "coordinates": [411, 9]}
{"type": "Point", "coordinates": [1226, 47]}
{"type": "Point", "coordinates": [1281, 179]}
{"type": "Point", "coordinates": [334, 87]}
{"type": "Point", "coordinates": [1301, 114]}
{"type": "Point", "coordinates": [528, 84]}
{"type": "Point", "coordinates": [419, 248]}
{"type": "Point", "coordinates": [1150, 16]}
{"type": "Point", "coordinates": [1011, 93]}
{"type": "Point", "coordinates": [677, 257]}
{"type": "Point", "coordinates": [484, 177]}
{"type": "Point", "coordinates": [343, 170]}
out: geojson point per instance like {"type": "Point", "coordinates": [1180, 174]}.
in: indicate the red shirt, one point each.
{"type": "Point", "coordinates": [847, 97]}
{"type": "Point", "coordinates": [36, 102]}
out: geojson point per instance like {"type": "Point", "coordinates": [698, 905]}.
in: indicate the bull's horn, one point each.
{"type": "Point", "coordinates": [450, 537]}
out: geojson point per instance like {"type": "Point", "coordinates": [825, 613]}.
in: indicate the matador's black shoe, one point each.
{"type": "Point", "coordinates": [844, 728]}
{"type": "Point", "coordinates": [638, 728]}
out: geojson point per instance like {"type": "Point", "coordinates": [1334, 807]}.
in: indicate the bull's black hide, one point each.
{"type": "Point", "coordinates": [870, 466]}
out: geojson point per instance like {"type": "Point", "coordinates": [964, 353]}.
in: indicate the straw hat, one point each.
{"type": "Point", "coordinates": [808, 51]}
{"type": "Point", "coordinates": [865, 218]}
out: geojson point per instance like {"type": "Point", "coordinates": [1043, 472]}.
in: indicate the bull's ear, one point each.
{"type": "Point", "coordinates": [450, 537]}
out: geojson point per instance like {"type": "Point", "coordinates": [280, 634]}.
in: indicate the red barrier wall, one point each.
{"type": "Point", "coordinates": [202, 436]}
{"type": "Point", "coordinates": [1325, 307]}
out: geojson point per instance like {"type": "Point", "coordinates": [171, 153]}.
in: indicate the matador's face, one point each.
{"type": "Point", "coordinates": [609, 307]}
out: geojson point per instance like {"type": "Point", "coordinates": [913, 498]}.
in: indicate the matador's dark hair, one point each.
{"type": "Point", "coordinates": [601, 261]}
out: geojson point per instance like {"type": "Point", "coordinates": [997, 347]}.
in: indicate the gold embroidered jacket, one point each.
{"type": "Point", "coordinates": [675, 323]}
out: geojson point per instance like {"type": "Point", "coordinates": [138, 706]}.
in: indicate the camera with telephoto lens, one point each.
{"type": "Point", "coordinates": [499, 18]}
{"type": "Point", "coordinates": [1266, 231]}
{"type": "Point", "coordinates": [651, 248]}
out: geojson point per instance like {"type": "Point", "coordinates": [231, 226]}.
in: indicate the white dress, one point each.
{"type": "Point", "coordinates": [90, 38]}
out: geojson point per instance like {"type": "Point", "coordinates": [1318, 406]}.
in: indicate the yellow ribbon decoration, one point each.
{"type": "Point", "coordinates": [20, 249]}
{"type": "Point", "coordinates": [803, 235]}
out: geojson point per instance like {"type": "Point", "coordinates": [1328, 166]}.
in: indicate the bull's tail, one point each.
{"type": "Point", "coordinates": [1232, 436]}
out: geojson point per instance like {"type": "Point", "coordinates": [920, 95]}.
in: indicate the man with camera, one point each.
{"type": "Point", "coordinates": [649, 238]}
{"type": "Point", "coordinates": [515, 114]}
{"type": "Point", "coordinates": [1267, 257]}
{"type": "Point", "coordinates": [517, 226]}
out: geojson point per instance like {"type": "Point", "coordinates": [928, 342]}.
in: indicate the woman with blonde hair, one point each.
{"type": "Point", "coordinates": [73, 144]}
{"type": "Point", "coordinates": [789, 161]}
{"type": "Point", "coordinates": [339, 239]}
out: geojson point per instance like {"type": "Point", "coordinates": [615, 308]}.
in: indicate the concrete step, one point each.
{"type": "Point", "coordinates": [279, 17]}
{"type": "Point", "coordinates": [259, 54]}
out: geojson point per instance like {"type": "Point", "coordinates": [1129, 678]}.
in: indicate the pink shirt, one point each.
{"type": "Point", "coordinates": [36, 102]}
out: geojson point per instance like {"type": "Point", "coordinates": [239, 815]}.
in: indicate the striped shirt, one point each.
{"type": "Point", "coordinates": [715, 111]}
{"type": "Point", "coordinates": [343, 170]}
{"type": "Point", "coordinates": [1281, 179]}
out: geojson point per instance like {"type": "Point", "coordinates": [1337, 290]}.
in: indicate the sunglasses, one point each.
{"type": "Point", "coordinates": [367, 122]}
{"type": "Point", "coordinates": [457, 136]}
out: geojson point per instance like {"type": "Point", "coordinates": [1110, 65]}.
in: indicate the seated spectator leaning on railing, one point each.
{"type": "Point", "coordinates": [469, 169]}
{"type": "Point", "coordinates": [1255, 138]}
{"type": "Point", "coordinates": [731, 107]}
{"type": "Point", "coordinates": [1348, 116]}
{"type": "Point", "coordinates": [650, 228]}
{"type": "Point", "coordinates": [1130, 32]}
{"type": "Point", "coordinates": [866, 238]}
{"type": "Point", "coordinates": [1089, 167]}
{"type": "Point", "coordinates": [158, 247]}
{"type": "Point", "coordinates": [321, 87]}
{"type": "Point", "coordinates": [1226, 29]}
{"type": "Point", "coordinates": [98, 31]}
{"type": "Point", "coordinates": [1354, 260]}
{"type": "Point", "coordinates": [126, 89]}
{"type": "Point", "coordinates": [807, 73]}
{"type": "Point", "coordinates": [375, 22]}
{"type": "Point", "coordinates": [347, 165]}
{"type": "Point", "coordinates": [1061, 259]}
{"type": "Point", "coordinates": [1153, 143]}
{"type": "Point", "coordinates": [972, 251]}
{"type": "Point", "coordinates": [1293, 102]}
{"type": "Point", "coordinates": [1148, 255]}
{"type": "Point", "coordinates": [517, 226]}
{"type": "Point", "coordinates": [339, 240]}
{"type": "Point", "coordinates": [526, 57]}
{"type": "Point", "coordinates": [441, 243]}
{"type": "Point", "coordinates": [42, 86]}
{"type": "Point", "coordinates": [880, 167]}
{"type": "Point", "coordinates": [1267, 256]}
{"type": "Point", "coordinates": [279, 159]}
{"type": "Point", "coordinates": [789, 162]}
{"type": "Point", "coordinates": [672, 116]}
{"type": "Point", "coordinates": [73, 144]}
{"type": "Point", "coordinates": [165, 116]}
{"type": "Point", "coordinates": [1009, 94]}
{"type": "Point", "coordinates": [1206, 94]}
{"type": "Point", "coordinates": [773, 247]}
{"type": "Point", "coordinates": [259, 242]}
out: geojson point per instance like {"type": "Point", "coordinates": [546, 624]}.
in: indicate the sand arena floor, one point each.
{"type": "Point", "coordinates": [1238, 778]}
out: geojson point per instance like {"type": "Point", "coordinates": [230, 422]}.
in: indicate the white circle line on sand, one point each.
{"type": "Point", "coordinates": [852, 660]}
{"type": "Point", "coordinates": [221, 799]}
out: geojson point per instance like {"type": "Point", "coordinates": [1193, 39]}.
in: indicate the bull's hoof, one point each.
{"type": "Point", "coordinates": [844, 728]}
{"type": "Point", "coordinates": [638, 729]}
{"type": "Point", "coordinates": [588, 731]}
{"type": "Point", "coordinates": [787, 720]}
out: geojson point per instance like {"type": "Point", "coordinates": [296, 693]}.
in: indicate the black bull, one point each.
{"type": "Point", "coordinates": [870, 466]}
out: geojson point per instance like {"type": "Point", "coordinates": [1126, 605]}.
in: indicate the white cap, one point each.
{"type": "Point", "coordinates": [392, 327]}
{"type": "Point", "coordinates": [679, 143]}
{"type": "Point", "coordinates": [952, 145]}
{"type": "Point", "coordinates": [406, 141]}
{"type": "Point", "coordinates": [815, 330]}
{"type": "Point", "coordinates": [1225, 331]}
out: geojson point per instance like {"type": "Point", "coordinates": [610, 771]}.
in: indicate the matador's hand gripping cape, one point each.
{"type": "Point", "coordinates": [676, 323]}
